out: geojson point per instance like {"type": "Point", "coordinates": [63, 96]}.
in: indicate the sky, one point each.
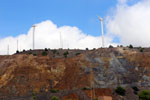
{"type": "Point", "coordinates": [126, 22]}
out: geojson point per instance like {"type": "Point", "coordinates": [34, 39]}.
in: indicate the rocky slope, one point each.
{"type": "Point", "coordinates": [24, 73]}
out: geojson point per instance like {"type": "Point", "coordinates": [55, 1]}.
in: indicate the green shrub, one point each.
{"type": "Point", "coordinates": [95, 99]}
{"type": "Point", "coordinates": [54, 51]}
{"type": "Point", "coordinates": [54, 90]}
{"type": "Point", "coordinates": [141, 49]}
{"type": "Point", "coordinates": [94, 49]}
{"type": "Point", "coordinates": [65, 54]}
{"type": "Point", "coordinates": [144, 95]}
{"type": "Point", "coordinates": [55, 98]}
{"type": "Point", "coordinates": [30, 53]}
{"type": "Point", "coordinates": [85, 88]}
{"type": "Point", "coordinates": [78, 54]}
{"type": "Point", "coordinates": [44, 53]}
{"type": "Point", "coordinates": [33, 96]}
{"type": "Point", "coordinates": [34, 54]}
{"type": "Point", "coordinates": [120, 91]}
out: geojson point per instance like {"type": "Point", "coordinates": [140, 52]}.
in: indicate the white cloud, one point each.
{"type": "Point", "coordinates": [131, 23]}
{"type": "Point", "coordinates": [48, 35]}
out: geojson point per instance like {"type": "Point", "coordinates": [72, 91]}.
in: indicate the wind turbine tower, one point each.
{"type": "Point", "coordinates": [102, 28]}
{"type": "Point", "coordinates": [8, 50]}
{"type": "Point", "coordinates": [17, 45]}
{"type": "Point", "coordinates": [61, 41]}
{"type": "Point", "coordinates": [33, 36]}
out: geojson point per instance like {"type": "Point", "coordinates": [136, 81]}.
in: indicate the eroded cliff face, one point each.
{"type": "Point", "coordinates": [22, 74]}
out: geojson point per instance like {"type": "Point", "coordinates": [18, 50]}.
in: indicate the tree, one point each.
{"type": "Point", "coordinates": [120, 91]}
{"type": "Point", "coordinates": [144, 95]}
{"type": "Point", "coordinates": [46, 49]}
{"type": "Point", "coordinates": [17, 51]}
{"type": "Point", "coordinates": [110, 46]}
{"type": "Point", "coordinates": [65, 54]}
{"type": "Point", "coordinates": [130, 46]}
{"type": "Point", "coordinates": [87, 48]}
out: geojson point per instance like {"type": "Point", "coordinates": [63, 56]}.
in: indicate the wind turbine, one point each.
{"type": "Point", "coordinates": [102, 28]}
{"type": "Point", "coordinates": [33, 36]}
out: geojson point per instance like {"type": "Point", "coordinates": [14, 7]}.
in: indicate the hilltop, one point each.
{"type": "Point", "coordinates": [74, 74]}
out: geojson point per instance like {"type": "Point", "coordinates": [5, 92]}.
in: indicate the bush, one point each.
{"type": "Point", "coordinates": [54, 90]}
{"type": "Point", "coordinates": [95, 99]}
{"type": "Point", "coordinates": [78, 54]}
{"type": "Point", "coordinates": [44, 53]}
{"type": "Point", "coordinates": [94, 49]}
{"type": "Point", "coordinates": [34, 54]}
{"type": "Point", "coordinates": [141, 49]}
{"type": "Point", "coordinates": [33, 96]}
{"type": "Point", "coordinates": [54, 51]}
{"type": "Point", "coordinates": [120, 91]}
{"type": "Point", "coordinates": [65, 54]}
{"type": "Point", "coordinates": [144, 95]}
{"type": "Point", "coordinates": [130, 46]}
{"type": "Point", "coordinates": [55, 98]}
{"type": "Point", "coordinates": [85, 88]}
{"type": "Point", "coordinates": [121, 46]}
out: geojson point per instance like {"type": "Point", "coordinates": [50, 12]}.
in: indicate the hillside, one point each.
{"type": "Point", "coordinates": [69, 71]}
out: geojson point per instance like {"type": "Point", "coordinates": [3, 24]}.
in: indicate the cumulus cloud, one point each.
{"type": "Point", "coordinates": [131, 23]}
{"type": "Point", "coordinates": [48, 36]}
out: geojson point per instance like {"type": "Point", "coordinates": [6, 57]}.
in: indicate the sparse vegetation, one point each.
{"type": "Point", "coordinates": [54, 90]}
{"type": "Point", "coordinates": [144, 95]}
{"type": "Point", "coordinates": [87, 49]}
{"type": "Point", "coordinates": [55, 98]}
{"type": "Point", "coordinates": [120, 91]}
{"type": "Point", "coordinates": [44, 53]}
{"type": "Point", "coordinates": [66, 54]}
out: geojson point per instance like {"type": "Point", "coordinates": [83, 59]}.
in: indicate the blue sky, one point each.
{"type": "Point", "coordinates": [17, 16]}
